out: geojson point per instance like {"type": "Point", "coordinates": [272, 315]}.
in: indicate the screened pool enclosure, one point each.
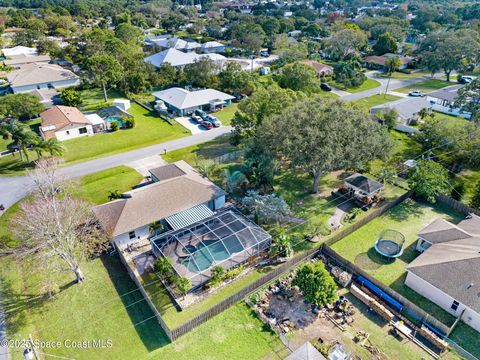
{"type": "Point", "coordinates": [225, 239]}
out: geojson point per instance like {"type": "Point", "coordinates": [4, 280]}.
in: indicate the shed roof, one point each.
{"type": "Point", "coordinates": [363, 183]}
{"type": "Point", "coordinates": [306, 352]}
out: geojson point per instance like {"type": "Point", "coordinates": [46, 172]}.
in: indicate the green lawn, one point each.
{"type": "Point", "coordinates": [149, 129]}
{"type": "Point", "coordinates": [401, 75]}
{"type": "Point", "coordinates": [375, 100]}
{"type": "Point", "coordinates": [96, 187]}
{"type": "Point", "coordinates": [108, 306]}
{"type": "Point", "coordinates": [367, 85]}
{"type": "Point", "coordinates": [425, 86]}
{"type": "Point", "coordinates": [467, 338]}
{"type": "Point", "coordinates": [206, 150]}
{"type": "Point", "coordinates": [408, 218]}
{"type": "Point", "coordinates": [92, 99]}
{"type": "Point", "coordinates": [226, 114]}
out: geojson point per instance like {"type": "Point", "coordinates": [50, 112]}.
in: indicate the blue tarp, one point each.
{"type": "Point", "coordinates": [392, 302]}
{"type": "Point", "coordinates": [379, 292]}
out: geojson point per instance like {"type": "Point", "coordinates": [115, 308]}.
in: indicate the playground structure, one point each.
{"type": "Point", "coordinates": [390, 244]}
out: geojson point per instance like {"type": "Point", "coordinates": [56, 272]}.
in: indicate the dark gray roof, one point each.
{"type": "Point", "coordinates": [112, 111]}
{"type": "Point", "coordinates": [448, 93]}
{"type": "Point", "coordinates": [458, 278]}
{"type": "Point", "coordinates": [166, 172]}
{"type": "Point", "coordinates": [441, 230]}
{"type": "Point", "coordinates": [363, 183]}
{"type": "Point", "coordinates": [471, 224]}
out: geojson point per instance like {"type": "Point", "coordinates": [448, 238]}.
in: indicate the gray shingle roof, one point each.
{"type": "Point", "coordinates": [363, 183]}
{"type": "Point", "coordinates": [441, 230]}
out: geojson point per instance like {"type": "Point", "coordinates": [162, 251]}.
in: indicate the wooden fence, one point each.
{"type": "Point", "coordinates": [352, 268]}
{"type": "Point", "coordinates": [229, 157]}
{"type": "Point", "coordinates": [457, 205]}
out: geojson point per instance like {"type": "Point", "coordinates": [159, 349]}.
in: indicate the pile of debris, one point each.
{"type": "Point", "coordinates": [372, 303]}
{"type": "Point", "coordinates": [342, 277]}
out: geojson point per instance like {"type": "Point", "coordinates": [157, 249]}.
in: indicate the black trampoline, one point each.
{"type": "Point", "coordinates": [390, 244]}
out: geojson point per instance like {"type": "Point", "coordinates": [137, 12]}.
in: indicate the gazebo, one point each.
{"type": "Point", "coordinates": [360, 186]}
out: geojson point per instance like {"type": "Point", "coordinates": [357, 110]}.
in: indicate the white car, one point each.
{"type": "Point", "coordinates": [466, 79]}
{"type": "Point", "coordinates": [416, 93]}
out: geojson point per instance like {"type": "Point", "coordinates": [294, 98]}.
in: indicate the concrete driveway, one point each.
{"type": "Point", "coordinates": [190, 125]}
{"type": "Point", "coordinates": [145, 164]}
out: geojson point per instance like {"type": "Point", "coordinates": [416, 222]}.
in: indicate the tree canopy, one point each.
{"type": "Point", "coordinates": [316, 284]}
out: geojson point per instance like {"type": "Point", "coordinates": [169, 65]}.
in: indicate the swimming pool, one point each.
{"type": "Point", "coordinates": [118, 119]}
{"type": "Point", "coordinates": [203, 255]}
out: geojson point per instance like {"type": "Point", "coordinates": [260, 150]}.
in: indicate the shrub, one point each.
{"type": "Point", "coordinates": [233, 273]}
{"type": "Point", "coordinates": [217, 275]}
{"type": "Point", "coordinates": [129, 122]}
{"type": "Point", "coordinates": [163, 267]}
{"type": "Point", "coordinates": [316, 283]}
{"type": "Point", "coordinates": [114, 125]}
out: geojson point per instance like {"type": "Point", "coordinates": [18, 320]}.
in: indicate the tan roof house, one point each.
{"type": "Point", "coordinates": [36, 76]}
{"type": "Point", "coordinates": [18, 60]}
{"type": "Point", "coordinates": [178, 196]}
{"type": "Point", "coordinates": [64, 123]}
{"type": "Point", "coordinates": [321, 69]}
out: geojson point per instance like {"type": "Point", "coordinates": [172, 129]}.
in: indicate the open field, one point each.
{"type": "Point", "coordinates": [425, 86]}
{"type": "Point", "coordinates": [367, 85]}
{"type": "Point", "coordinates": [375, 100]}
{"type": "Point", "coordinates": [408, 218]}
{"type": "Point", "coordinates": [108, 306]}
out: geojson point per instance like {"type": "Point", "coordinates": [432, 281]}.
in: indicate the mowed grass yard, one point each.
{"type": "Point", "coordinates": [226, 114]}
{"type": "Point", "coordinates": [425, 86]}
{"type": "Point", "coordinates": [375, 100]}
{"type": "Point", "coordinates": [367, 85]}
{"type": "Point", "coordinates": [408, 218]}
{"type": "Point", "coordinates": [108, 305]}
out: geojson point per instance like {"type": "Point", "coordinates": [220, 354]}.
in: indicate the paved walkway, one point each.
{"type": "Point", "coordinates": [13, 189]}
{"type": "Point", "coordinates": [143, 165]}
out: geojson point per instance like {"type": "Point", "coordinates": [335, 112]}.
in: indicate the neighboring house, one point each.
{"type": "Point", "coordinates": [407, 108]}
{"type": "Point", "coordinates": [378, 62]}
{"type": "Point", "coordinates": [36, 76]}
{"type": "Point", "coordinates": [443, 101]}
{"type": "Point", "coordinates": [64, 123]}
{"type": "Point", "coordinates": [178, 58]}
{"type": "Point", "coordinates": [212, 47]}
{"type": "Point", "coordinates": [178, 196]}
{"type": "Point", "coordinates": [48, 97]}
{"type": "Point", "coordinates": [321, 69]}
{"type": "Point", "coordinates": [173, 43]}
{"type": "Point", "coordinates": [19, 51]}
{"type": "Point", "coordinates": [447, 270]}
{"type": "Point", "coordinates": [17, 61]}
{"type": "Point", "coordinates": [183, 102]}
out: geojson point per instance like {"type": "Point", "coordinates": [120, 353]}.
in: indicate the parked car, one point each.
{"type": "Point", "coordinates": [325, 87]}
{"type": "Point", "coordinates": [215, 122]}
{"type": "Point", "coordinates": [196, 119]}
{"type": "Point", "coordinates": [465, 80]}
{"type": "Point", "coordinates": [201, 113]}
{"type": "Point", "coordinates": [207, 125]}
{"type": "Point", "coordinates": [264, 54]}
{"type": "Point", "coordinates": [416, 93]}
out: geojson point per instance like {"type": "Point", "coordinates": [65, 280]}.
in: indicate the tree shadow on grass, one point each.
{"type": "Point", "coordinates": [149, 331]}
{"type": "Point", "coordinates": [14, 164]}
{"type": "Point", "coordinates": [405, 211]}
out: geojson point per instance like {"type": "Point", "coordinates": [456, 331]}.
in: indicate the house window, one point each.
{"type": "Point", "coordinates": [454, 306]}
{"type": "Point", "coordinates": [131, 235]}
{"type": "Point", "coordinates": [82, 130]}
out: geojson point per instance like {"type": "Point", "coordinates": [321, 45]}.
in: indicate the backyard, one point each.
{"type": "Point", "coordinates": [108, 305]}
{"type": "Point", "coordinates": [408, 218]}
{"type": "Point", "coordinates": [226, 114]}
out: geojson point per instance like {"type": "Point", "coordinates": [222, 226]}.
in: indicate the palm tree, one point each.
{"type": "Point", "coordinates": [21, 135]}
{"type": "Point", "coordinates": [155, 227]}
{"type": "Point", "coordinates": [51, 146]}
{"type": "Point", "coordinates": [234, 180]}
{"type": "Point", "coordinates": [391, 63]}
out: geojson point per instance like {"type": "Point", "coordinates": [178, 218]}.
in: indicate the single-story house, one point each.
{"type": "Point", "coordinates": [183, 102]}
{"type": "Point", "coordinates": [447, 270]}
{"type": "Point", "coordinates": [17, 61]}
{"type": "Point", "coordinates": [177, 196]}
{"type": "Point", "coordinates": [173, 43]}
{"type": "Point", "coordinates": [407, 108]}
{"type": "Point", "coordinates": [360, 185]}
{"type": "Point", "coordinates": [36, 76]}
{"type": "Point", "coordinates": [178, 58]}
{"type": "Point", "coordinates": [19, 51]}
{"type": "Point", "coordinates": [64, 123]}
{"type": "Point", "coordinates": [98, 124]}
{"type": "Point", "coordinates": [321, 69]}
{"type": "Point", "coordinates": [443, 100]}
{"type": "Point", "coordinates": [377, 62]}
{"type": "Point", "coordinates": [212, 47]}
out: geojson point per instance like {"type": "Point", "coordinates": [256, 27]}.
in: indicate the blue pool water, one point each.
{"type": "Point", "coordinates": [118, 119]}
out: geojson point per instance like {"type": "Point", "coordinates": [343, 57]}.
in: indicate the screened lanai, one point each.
{"type": "Point", "coordinates": [226, 238]}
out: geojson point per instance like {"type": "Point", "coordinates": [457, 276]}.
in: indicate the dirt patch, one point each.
{"type": "Point", "coordinates": [292, 309]}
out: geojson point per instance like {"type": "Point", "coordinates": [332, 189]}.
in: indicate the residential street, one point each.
{"type": "Point", "coordinates": [12, 189]}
